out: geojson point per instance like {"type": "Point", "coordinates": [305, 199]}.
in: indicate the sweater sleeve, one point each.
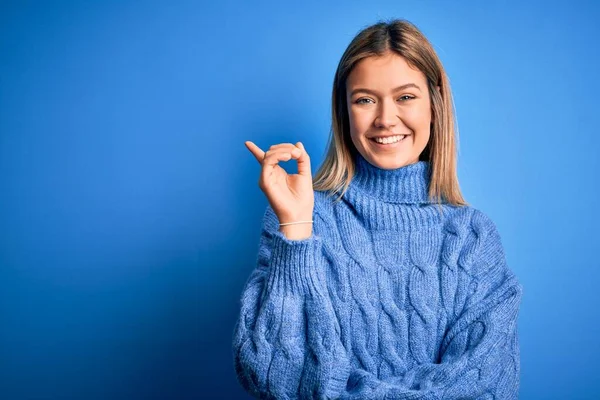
{"type": "Point", "coordinates": [479, 355]}
{"type": "Point", "coordinates": [286, 341]}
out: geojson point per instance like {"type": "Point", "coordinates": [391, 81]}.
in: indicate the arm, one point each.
{"type": "Point", "coordinates": [286, 341]}
{"type": "Point", "coordinates": [479, 356]}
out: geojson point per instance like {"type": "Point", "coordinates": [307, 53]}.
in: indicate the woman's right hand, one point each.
{"type": "Point", "coordinates": [291, 196]}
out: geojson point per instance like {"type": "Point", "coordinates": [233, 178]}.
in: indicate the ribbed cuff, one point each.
{"type": "Point", "coordinates": [296, 265]}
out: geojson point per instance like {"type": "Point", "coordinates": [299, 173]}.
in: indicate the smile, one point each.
{"type": "Point", "coordinates": [391, 142]}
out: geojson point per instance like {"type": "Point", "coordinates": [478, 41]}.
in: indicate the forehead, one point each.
{"type": "Point", "coordinates": [384, 72]}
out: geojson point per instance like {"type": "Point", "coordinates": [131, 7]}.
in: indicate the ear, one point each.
{"type": "Point", "coordinates": [439, 89]}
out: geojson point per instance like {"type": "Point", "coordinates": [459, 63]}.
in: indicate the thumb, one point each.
{"type": "Point", "coordinates": [303, 161]}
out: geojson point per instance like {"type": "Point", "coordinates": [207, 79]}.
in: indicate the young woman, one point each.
{"type": "Point", "coordinates": [395, 288]}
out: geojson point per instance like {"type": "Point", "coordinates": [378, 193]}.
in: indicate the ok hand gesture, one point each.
{"type": "Point", "coordinates": [290, 195]}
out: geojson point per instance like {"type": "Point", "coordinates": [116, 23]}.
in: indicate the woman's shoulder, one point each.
{"type": "Point", "coordinates": [478, 238]}
{"type": "Point", "coordinates": [324, 203]}
{"type": "Point", "coordinates": [469, 219]}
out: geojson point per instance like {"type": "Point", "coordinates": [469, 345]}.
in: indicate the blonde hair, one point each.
{"type": "Point", "coordinates": [403, 38]}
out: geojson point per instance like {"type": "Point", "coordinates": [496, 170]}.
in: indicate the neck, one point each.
{"type": "Point", "coordinates": [408, 184]}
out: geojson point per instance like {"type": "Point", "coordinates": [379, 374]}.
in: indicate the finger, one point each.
{"type": "Point", "coordinates": [270, 163]}
{"type": "Point", "coordinates": [255, 150]}
{"type": "Point", "coordinates": [286, 148]}
{"type": "Point", "coordinates": [280, 144]}
{"type": "Point", "coordinates": [303, 161]}
{"type": "Point", "coordinates": [272, 157]}
{"type": "Point", "coordinates": [263, 154]}
{"type": "Point", "coordinates": [283, 146]}
{"type": "Point", "coordinates": [276, 146]}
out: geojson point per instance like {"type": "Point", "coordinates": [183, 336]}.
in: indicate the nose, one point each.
{"type": "Point", "coordinates": [388, 114]}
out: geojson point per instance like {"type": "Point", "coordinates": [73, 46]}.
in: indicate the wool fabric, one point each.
{"type": "Point", "coordinates": [393, 296]}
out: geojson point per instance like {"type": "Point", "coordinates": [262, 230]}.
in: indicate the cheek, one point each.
{"type": "Point", "coordinates": [359, 124]}
{"type": "Point", "coordinates": [420, 116]}
{"type": "Point", "coordinates": [423, 138]}
{"type": "Point", "coordinates": [358, 129]}
{"type": "Point", "coordinates": [420, 123]}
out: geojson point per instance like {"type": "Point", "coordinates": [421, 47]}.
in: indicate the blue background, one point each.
{"type": "Point", "coordinates": [129, 206]}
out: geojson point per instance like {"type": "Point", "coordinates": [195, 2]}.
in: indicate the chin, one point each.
{"type": "Point", "coordinates": [393, 165]}
{"type": "Point", "coordinates": [390, 162]}
{"type": "Point", "coordinates": [392, 158]}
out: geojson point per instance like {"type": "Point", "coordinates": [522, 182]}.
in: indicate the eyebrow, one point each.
{"type": "Point", "coordinates": [407, 85]}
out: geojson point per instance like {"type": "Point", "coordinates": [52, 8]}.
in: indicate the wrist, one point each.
{"type": "Point", "coordinates": [297, 227]}
{"type": "Point", "coordinates": [297, 231]}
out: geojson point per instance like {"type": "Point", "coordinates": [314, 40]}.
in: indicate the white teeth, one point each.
{"type": "Point", "coordinates": [392, 139]}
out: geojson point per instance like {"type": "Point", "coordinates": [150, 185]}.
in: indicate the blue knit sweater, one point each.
{"type": "Point", "coordinates": [388, 299]}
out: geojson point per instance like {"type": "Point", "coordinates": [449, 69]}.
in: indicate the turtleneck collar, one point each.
{"type": "Point", "coordinates": [408, 184]}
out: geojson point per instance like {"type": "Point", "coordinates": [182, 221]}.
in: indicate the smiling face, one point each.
{"type": "Point", "coordinates": [386, 97]}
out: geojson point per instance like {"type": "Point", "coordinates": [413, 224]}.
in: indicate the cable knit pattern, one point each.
{"type": "Point", "coordinates": [392, 297]}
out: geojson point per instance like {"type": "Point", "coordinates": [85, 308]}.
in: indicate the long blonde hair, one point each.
{"type": "Point", "coordinates": [403, 38]}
